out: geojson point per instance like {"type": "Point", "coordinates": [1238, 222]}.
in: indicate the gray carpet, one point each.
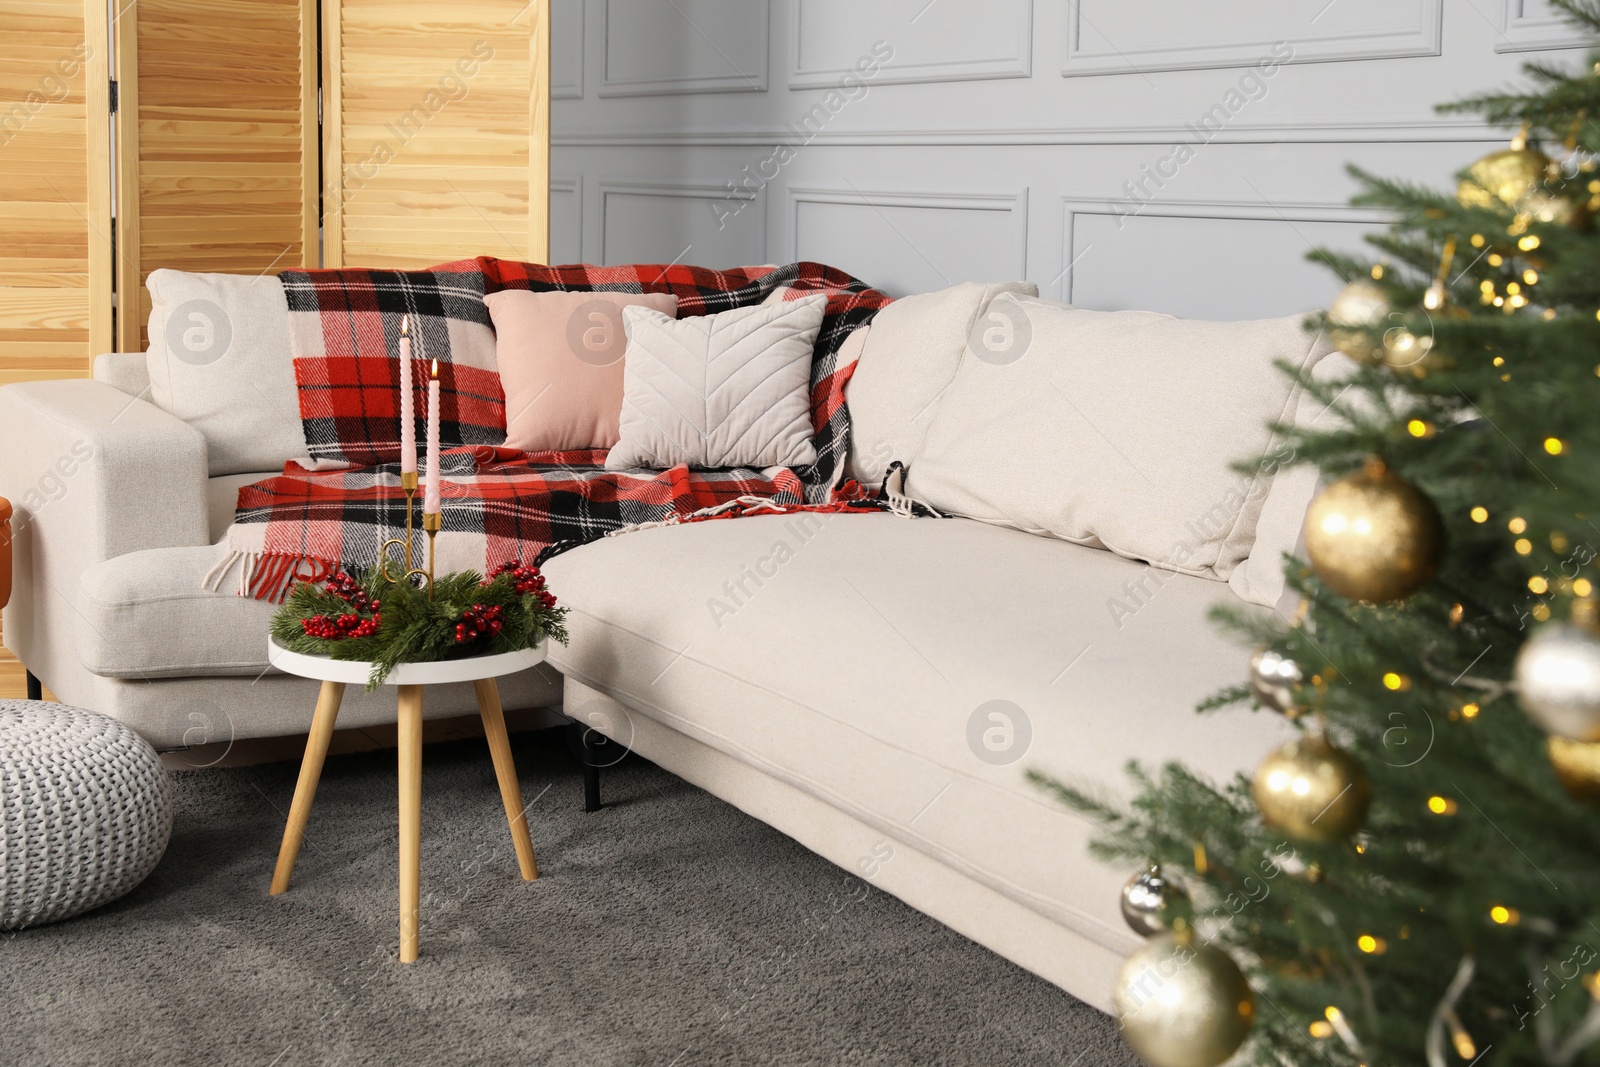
{"type": "Point", "coordinates": [669, 928]}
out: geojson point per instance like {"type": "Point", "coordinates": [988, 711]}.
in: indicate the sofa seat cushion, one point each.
{"type": "Point", "coordinates": [910, 672]}
{"type": "Point", "coordinates": [147, 615]}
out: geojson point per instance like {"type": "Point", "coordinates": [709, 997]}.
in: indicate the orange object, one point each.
{"type": "Point", "coordinates": [5, 551]}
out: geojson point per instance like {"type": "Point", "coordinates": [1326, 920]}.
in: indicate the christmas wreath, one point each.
{"type": "Point", "coordinates": [372, 620]}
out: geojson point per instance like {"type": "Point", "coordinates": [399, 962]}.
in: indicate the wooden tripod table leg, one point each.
{"type": "Point", "coordinates": [505, 769]}
{"type": "Point", "coordinates": [410, 818]}
{"type": "Point", "coordinates": [306, 788]}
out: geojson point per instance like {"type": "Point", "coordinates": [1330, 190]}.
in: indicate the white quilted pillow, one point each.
{"type": "Point", "coordinates": [725, 390]}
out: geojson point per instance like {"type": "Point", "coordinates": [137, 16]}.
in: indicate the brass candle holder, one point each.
{"type": "Point", "coordinates": [430, 525]}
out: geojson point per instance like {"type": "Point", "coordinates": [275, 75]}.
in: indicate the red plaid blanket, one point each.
{"type": "Point", "coordinates": [500, 505]}
{"type": "Point", "coordinates": [344, 330]}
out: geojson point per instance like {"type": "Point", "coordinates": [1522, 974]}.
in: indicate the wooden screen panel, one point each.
{"type": "Point", "coordinates": [55, 200]}
{"type": "Point", "coordinates": [436, 129]}
{"type": "Point", "coordinates": [217, 142]}
{"type": "Point", "coordinates": [55, 189]}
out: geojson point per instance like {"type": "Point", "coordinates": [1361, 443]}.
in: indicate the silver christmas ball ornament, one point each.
{"type": "Point", "coordinates": [1183, 1005]}
{"type": "Point", "coordinates": [1558, 680]}
{"type": "Point", "coordinates": [1273, 679]}
{"type": "Point", "coordinates": [1145, 900]}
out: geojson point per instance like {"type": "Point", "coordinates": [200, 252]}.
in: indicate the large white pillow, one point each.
{"type": "Point", "coordinates": [906, 363]}
{"type": "Point", "coordinates": [725, 390]}
{"type": "Point", "coordinates": [219, 360]}
{"type": "Point", "coordinates": [1116, 430]}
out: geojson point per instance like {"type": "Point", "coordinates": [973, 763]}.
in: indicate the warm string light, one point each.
{"type": "Point", "coordinates": [1504, 916]}
{"type": "Point", "coordinates": [1372, 946]}
{"type": "Point", "coordinates": [1480, 514]}
{"type": "Point", "coordinates": [1459, 1036]}
{"type": "Point", "coordinates": [1442, 805]}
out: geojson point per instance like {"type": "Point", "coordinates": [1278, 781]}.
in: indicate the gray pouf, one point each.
{"type": "Point", "coordinates": [85, 811]}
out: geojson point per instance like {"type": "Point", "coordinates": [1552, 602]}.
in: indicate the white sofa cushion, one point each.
{"type": "Point", "coordinates": [1116, 430]}
{"type": "Point", "coordinates": [726, 390]}
{"type": "Point", "coordinates": [830, 652]}
{"type": "Point", "coordinates": [907, 362]}
{"type": "Point", "coordinates": [1260, 579]}
{"type": "Point", "coordinates": [219, 360]}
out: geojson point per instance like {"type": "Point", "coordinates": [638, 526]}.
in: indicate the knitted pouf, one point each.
{"type": "Point", "coordinates": [85, 811]}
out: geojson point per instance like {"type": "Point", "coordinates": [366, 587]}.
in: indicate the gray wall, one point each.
{"type": "Point", "coordinates": [1159, 154]}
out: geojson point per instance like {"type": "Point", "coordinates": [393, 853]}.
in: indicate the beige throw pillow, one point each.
{"type": "Point", "coordinates": [725, 390]}
{"type": "Point", "coordinates": [1116, 430]}
{"type": "Point", "coordinates": [219, 360]}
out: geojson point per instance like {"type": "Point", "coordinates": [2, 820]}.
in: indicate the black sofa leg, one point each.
{"type": "Point", "coordinates": [35, 688]}
{"type": "Point", "coordinates": [591, 773]}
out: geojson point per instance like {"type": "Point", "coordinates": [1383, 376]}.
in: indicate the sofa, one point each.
{"type": "Point", "coordinates": [874, 685]}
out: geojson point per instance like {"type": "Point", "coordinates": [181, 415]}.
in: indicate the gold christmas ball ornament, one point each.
{"type": "Point", "coordinates": [1549, 206]}
{"type": "Point", "coordinates": [1374, 536]}
{"type": "Point", "coordinates": [1577, 766]}
{"type": "Point", "coordinates": [1273, 680]}
{"type": "Point", "coordinates": [1355, 318]}
{"type": "Point", "coordinates": [1507, 178]}
{"type": "Point", "coordinates": [1313, 791]}
{"type": "Point", "coordinates": [1404, 350]}
{"type": "Point", "coordinates": [1145, 900]}
{"type": "Point", "coordinates": [1183, 1005]}
{"type": "Point", "coordinates": [1558, 680]}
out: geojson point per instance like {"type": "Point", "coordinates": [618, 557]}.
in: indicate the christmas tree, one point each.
{"type": "Point", "coordinates": [1418, 877]}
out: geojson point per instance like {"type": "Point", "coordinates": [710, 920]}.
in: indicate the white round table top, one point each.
{"type": "Point", "coordinates": [356, 672]}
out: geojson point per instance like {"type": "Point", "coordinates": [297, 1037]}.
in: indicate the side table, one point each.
{"type": "Point", "coordinates": [409, 678]}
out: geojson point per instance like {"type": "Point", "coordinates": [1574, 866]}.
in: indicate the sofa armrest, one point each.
{"type": "Point", "coordinates": [95, 474]}
{"type": "Point", "coordinates": [127, 371]}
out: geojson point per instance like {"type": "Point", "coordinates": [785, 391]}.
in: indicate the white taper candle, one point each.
{"type": "Point", "coordinates": [430, 500]}
{"type": "Point", "coordinates": [408, 412]}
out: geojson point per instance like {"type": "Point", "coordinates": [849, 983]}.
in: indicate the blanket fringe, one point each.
{"type": "Point", "coordinates": [894, 491]}
{"type": "Point", "coordinates": [737, 508]}
{"type": "Point", "coordinates": [267, 576]}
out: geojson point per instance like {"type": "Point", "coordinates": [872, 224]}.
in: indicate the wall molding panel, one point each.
{"type": "Point", "coordinates": [1001, 217]}
{"type": "Point", "coordinates": [686, 214]}
{"type": "Point", "coordinates": [1303, 225]}
{"type": "Point", "coordinates": [1418, 33]}
{"type": "Point", "coordinates": [1531, 25]}
{"type": "Point", "coordinates": [566, 220]}
{"type": "Point", "coordinates": [566, 49]}
{"type": "Point", "coordinates": [634, 31]}
{"type": "Point", "coordinates": [1446, 129]}
{"type": "Point", "coordinates": [917, 61]}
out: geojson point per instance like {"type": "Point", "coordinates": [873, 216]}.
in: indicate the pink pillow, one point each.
{"type": "Point", "coordinates": [560, 357]}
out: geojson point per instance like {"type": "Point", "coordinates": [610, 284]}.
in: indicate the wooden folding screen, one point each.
{"type": "Point", "coordinates": [55, 188]}
{"type": "Point", "coordinates": [436, 130]}
{"type": "Point", "coordinates": [217, 154]}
